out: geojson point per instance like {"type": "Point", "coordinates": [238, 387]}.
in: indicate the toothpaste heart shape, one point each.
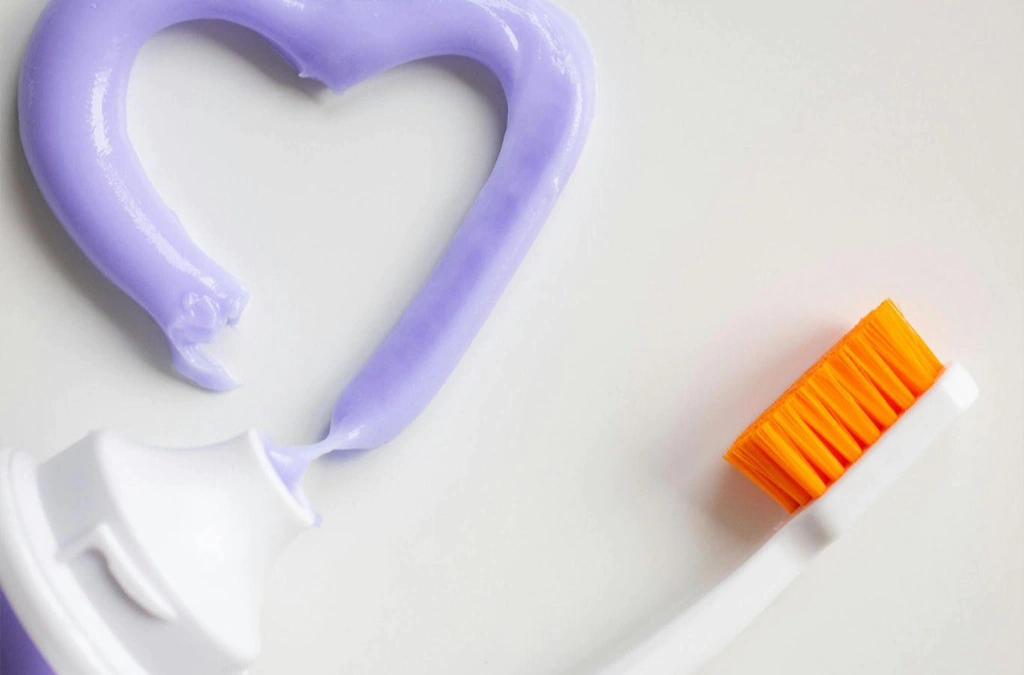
{"type": "Point", "coordinates": [73, 124]}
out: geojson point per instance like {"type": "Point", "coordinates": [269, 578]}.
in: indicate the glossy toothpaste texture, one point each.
{"type": "Point", "coordinates": [73, 125]}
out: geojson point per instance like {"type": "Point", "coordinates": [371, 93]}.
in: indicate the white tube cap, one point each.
{"type": "Point", "coordinates": [123, 559]}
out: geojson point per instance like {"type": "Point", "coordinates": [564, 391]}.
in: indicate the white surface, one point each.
{"type": "Point", "coordinates": [124, 559]}
{"type": "Point", "coordinates": [759, 176]}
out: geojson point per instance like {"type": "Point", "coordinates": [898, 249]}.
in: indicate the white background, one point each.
{"type": "Point", "coordinates": [760, 174]}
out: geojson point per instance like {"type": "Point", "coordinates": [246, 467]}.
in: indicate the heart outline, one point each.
{"type": "Point", "coordinates": [72, 112]}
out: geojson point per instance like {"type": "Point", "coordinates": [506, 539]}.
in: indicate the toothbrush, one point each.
{"type": "Point", "coordinates": [825, 451]}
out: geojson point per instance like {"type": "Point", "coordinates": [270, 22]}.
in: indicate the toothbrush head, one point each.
{"type": "Point", "coordinates": [838, 409]}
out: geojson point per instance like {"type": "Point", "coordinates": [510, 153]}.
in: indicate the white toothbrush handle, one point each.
{"type": "Point", "coordinates": [694, 637]}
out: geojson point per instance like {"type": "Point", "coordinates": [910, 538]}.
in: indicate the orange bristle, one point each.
{"type": "Point", "coordinates": [808, 438]}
